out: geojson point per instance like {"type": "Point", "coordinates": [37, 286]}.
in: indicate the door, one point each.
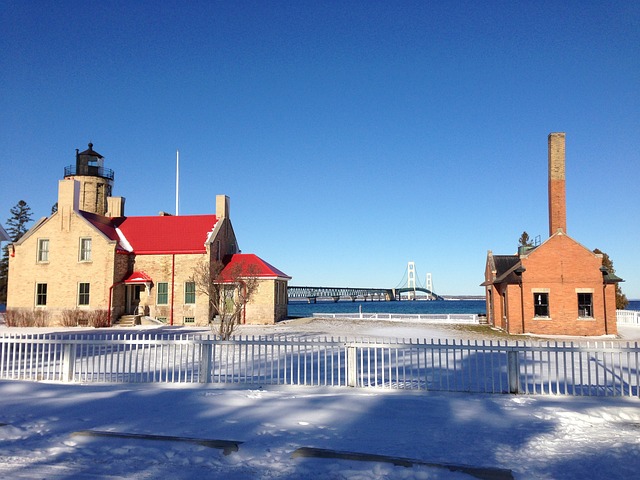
{"type": "Point", "coordinates": [133, 298]}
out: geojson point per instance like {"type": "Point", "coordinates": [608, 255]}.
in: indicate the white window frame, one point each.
{"type": "Point", "coordinates": [43, 250]}
{"type": "Point", "coordinates": [81, 294]}
{"type": "Point", "coordinates": [163, 293]}
{"type": "Point", "coordinates": [185, 293]}
{"type": "Point", "coordinates": [41, 295]}
{"type": "Point", "coordinates": [84, 253]}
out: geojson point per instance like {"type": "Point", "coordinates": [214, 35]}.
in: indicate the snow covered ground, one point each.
{"type": "Point", "coordinates": [533, 437]}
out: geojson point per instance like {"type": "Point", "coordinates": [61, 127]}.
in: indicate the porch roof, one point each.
{"type": "Point", "coordinates": [138, 277]}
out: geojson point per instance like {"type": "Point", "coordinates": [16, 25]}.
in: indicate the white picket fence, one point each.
{"type": "Point", "coordinates": [590, 368]}
{"type": "Point", "coordinates": [628, 317]}
{"type": "Point", "coordinates": [623, 317]}
{"type": "Point", "coordinates": [450, 318]}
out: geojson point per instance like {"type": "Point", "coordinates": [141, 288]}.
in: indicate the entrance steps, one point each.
{"type": "Point", "coordinates": [127, 321]}
{"type": "Point", "coordinates": [136, 320]}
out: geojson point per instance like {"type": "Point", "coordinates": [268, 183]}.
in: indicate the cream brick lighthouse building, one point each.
{"type": "Point", "coordinates": [90, 256]}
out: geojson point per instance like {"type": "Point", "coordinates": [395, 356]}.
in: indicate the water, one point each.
{"type": "Point", "coordinates": [633, 305]}
{"type": "Point", "coordinates": [304, 309]}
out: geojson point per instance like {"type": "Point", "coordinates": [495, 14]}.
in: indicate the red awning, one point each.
{"type": "Point", "coordinates": [138, 277]}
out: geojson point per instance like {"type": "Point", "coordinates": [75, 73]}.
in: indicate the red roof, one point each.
{"type": "Point", "coordinates": [104, 224]}
{"type": "Point", "coordinates": [167, 234]}
{"type": "Point", "coordinates": [138, 277]}
{"type": "Point", "coordinates": [248, 264]}
{"type": "Point", "coordinates": [157, 235]}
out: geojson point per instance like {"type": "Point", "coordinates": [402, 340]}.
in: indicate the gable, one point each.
{"type": "Point", "coordinates": [561, 259]}
{"type": "Point", "coordinates": [561, 242]}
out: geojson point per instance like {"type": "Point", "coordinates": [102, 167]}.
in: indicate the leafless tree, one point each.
{"type": "Point", "coordinates": [228, 291]}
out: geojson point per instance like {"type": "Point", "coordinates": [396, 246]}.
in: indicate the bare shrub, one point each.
{"type": "Point", "coordinates": [69, 318]}
{"type": "Point", "coordinates": [40, 318]}
{"type": "Point", "coordinates": [24, 318]}
{"type": "Point", "coordinates": [13, 318]}
{"type": "Point", "coordinates": [99, 318]}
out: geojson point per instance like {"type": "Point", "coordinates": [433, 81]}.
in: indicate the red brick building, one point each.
{"type": "Point", "coordinates": [558, 287]}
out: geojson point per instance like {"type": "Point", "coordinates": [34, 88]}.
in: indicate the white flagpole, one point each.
{"type": "Point", "coordinates": [177, 179]}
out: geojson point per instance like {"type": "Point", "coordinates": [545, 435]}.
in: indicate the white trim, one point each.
{"type": "Point", "coordinates": [184, 293]}
{"type": "Point", "coordinates": [83, 305]}
{"type": "Point", "coordinates": [39, 250]}
{"type": "Point", "coordinates": [124, 243]}
{"type": "Point", "coordinates": [86, 250]}
{"type": "Point", "coordinates": [4, 236]}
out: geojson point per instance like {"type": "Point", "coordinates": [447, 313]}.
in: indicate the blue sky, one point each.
{"type": "Point", "coordinates": [352, 137]}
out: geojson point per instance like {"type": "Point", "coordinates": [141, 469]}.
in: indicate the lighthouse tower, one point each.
{"type": "Point", "coordinates": [96, 182]}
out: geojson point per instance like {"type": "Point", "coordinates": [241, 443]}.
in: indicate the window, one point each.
{"type": "Point", "coordinates": [189, 320]}
{"type": "Point", "coordinates": [162, 319]}
{"type": "Point", "coordinates": [43, 250]}
{"type": "Point", "coordinates": [585, 305]}
{"type": "Point", "coordinates": [83, 294]}
{"type": "Point", "coordinates": [41, 294]}
{"type": "Point", "coordinates": [541, 304]}
{"type": "Point", "coordinates": [190, 292]}
{"type": "Point", "coordinates": [85, 249]}
{"type": "Point", "coordinates": [163, 293]}
{"type": "Point", "coordinates": [281, 293]}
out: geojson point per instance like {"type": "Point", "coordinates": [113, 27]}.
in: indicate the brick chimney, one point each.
{"type": "Point", "coordinates": [557, 189]}
{"type": "Point", "coordinates": [68, 201]}
{"type": "Point", "coordinates": [222, 206]}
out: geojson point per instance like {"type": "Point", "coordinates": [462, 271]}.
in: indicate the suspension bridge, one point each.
{"type": "Point", "coordinates": [409, 288]}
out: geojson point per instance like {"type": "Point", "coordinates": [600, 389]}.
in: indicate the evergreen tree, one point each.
{"type": "Point", "coordinates": [16, 227]}
{"type": "Point", "coordinates": [621, 298]}
{"type": "Point", "coordinates": [524, 240]}
{"type": "Point", "coordinates": [20, 217]}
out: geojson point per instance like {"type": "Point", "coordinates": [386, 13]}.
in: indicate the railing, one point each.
{"type": "Point", "coordinates": [596, 368]}
{"type": "Point", "coordinates": [466, 318]}
{"type": "Point", "coordinates": [90, 170]}
{"type": "Point", "coordinates": [628, 317]}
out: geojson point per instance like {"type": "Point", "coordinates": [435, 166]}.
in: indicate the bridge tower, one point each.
{"type": "Point", "coordinates": [411, 277]}
{"type": "Point", "coordinates": [429, 284]}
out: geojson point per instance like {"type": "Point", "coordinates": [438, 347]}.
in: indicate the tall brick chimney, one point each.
{"type": "Point", "coordinates": [557, 189]}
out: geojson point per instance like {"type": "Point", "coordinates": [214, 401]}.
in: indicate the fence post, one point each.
{"type": "Point", "coordinates": [352, 366]}
{"type": "Point", "coordinates": [68, 362]}
{"type": "Point", "coordinates": [205, 363]}
{"type": "Point", "coordinates": [513, 371]}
